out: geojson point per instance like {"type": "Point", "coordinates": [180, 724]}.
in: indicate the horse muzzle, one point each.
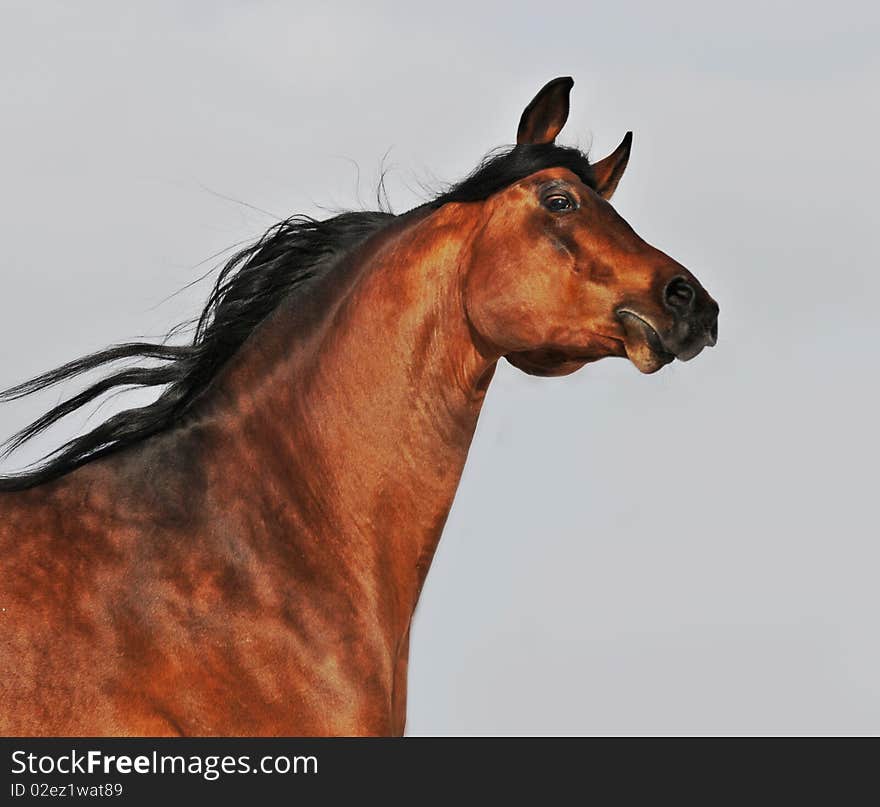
{"type": "Point", "coordinates": [688, 323]}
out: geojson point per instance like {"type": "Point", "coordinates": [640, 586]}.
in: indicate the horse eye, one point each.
{"type": "Point", "coordinates": [558, 202]}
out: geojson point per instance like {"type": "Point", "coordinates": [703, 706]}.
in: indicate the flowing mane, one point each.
{"type": "Point", "coordinates": [248, 288]}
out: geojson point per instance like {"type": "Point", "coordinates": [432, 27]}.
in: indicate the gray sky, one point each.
{"type": "Point", "coordinates": [730, 589]}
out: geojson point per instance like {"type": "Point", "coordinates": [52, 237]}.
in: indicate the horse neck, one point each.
{"type": "Point", "coordinates": [360, 420]}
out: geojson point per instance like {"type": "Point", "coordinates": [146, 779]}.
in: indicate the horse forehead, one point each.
{"type": "Point", "coordinates": [526, 186]}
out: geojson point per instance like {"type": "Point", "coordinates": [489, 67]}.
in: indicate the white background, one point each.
{"type": "Point", "coordinates": [691, 552]}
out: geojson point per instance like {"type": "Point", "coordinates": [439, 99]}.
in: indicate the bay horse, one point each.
{"type": "Point", "coordinates": [243, 556]}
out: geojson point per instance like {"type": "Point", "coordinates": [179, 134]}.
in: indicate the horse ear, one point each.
{"type": "Point", "coordinates": [609, 171]}
{"type": "Point", "coordinates": [545, 116]}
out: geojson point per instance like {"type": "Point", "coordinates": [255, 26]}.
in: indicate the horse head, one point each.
{"type": "Point", "coordinates": [558, 278]}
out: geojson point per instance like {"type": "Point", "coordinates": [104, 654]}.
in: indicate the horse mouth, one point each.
{"type": "Point", "coordinates": [644, 345]}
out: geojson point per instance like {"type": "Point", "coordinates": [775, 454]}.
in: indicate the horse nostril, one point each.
{"type": "Point", "coordinates": [679, 295]}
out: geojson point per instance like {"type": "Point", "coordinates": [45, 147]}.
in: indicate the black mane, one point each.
{"type": "Point", "coordinates": [249, 287]}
